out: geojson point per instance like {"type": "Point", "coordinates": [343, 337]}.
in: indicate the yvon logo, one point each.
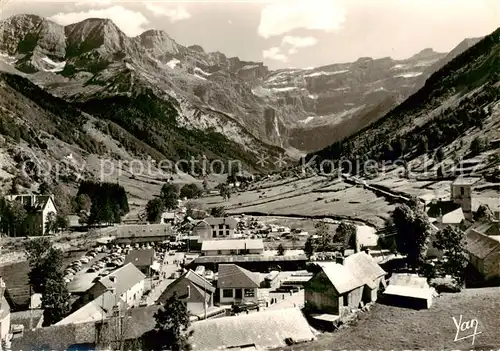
{"type": "Point", "coordinates": [466, 329]}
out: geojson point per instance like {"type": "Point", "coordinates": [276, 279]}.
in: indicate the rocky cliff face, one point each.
{"type": "Point", "coordinates": [304, 109]}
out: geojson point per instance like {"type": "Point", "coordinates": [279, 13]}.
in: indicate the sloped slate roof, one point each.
{"type": "Point", "coordinates": [341, 277]}
{"type": "Point", "coordinates": [125, 278]}
{"type": "Point", "coordinates": [480, 245]}
{"type": "Point", "coordinates": [233, 276]}
{"type": "Point", "coordinates": [199, 281]}
{"type": "Point", "coordinates": [364, 267]}
{"type": "Point", "coordinates": [140, 258]}
{"type": "Point", "coordinates": [263, 330]}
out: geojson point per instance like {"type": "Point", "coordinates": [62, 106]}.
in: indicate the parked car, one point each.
{"type": "Point", "coordinates": [247, 306]}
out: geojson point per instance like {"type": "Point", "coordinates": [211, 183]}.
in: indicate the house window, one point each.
{"type": "Point", "coordinates": [346, 300]}
{"type": "Point", "coordinates": [221, 226]}
{"type": "Point", "coordinates": [227, 293]}
{"type": "Point", "coordinates": [249, 293]}
{"type": "Point", "coordinates": [219, 252]}
{"type": "Point", "coordinates": [214, 234]}
{"type": "Point", "coordinates": [227, 232]}
{"type": "Point", "coordinates": [462, 190]}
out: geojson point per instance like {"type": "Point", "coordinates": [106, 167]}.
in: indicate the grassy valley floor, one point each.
{"type": "Point", "coordinates": [394, 328]}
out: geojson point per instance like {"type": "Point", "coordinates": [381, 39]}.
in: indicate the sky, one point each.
{"type": "Point", "coordinates": [289, 33]}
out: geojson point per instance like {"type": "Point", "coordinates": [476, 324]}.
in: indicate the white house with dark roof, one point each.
{"type": "Point", "coordinates": [237, 285]}
{"type": "Point", "coordinates": [232, 247]}
{"type": "Point", "coordinates": [38, 208]}
{"type": "Point", "coordinates": [127, 283]}
{"type": "Point", "coordinates": [215, 228]}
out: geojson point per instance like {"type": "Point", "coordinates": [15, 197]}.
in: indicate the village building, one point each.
{"type": "Point", "coordinates": [483, 247]}
{"type": "Point", "coordinates": [96, 335]}
{"type": "Point", "coordinates": [237, 285]}
{"type": "Point", "coordinates": [168, 218]}
{"type": "Point", "coordinates": [141, 233]}
{"type": "Point", "coordinates": [409, 290]}
{"type": "Point", "coordinates": [4, 316]}
{"type": "Point", "coordinates": [215, 228]}
{"type": "Point", "coordinates": [39, 210]}
{"type": "Point", "coordinates": [255, 331]}
{"type": "Point", "coordinates": [143, 259]}
{"type": "Point", "coordinates": [126, 283]}
{"type": "Point", "coordinates": [232, 247]}
{"type": "Point", "coordinates": [339, 287]}
{"type": "Point", "coordinates": [96, 310]}
{"type": "Point", "coordinates": [461, 194]}
{"type": "Point", "coordinates": [193, 289]}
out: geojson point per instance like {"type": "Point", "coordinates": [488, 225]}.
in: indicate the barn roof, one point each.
{"type": "Point", "coordinates": [341, 277]}
{"type": "Point", "coordinates": [364, 267]}
{"type": "Point", "coordinates": [480, 245]}
{"type": "Point", "coordinates": [263, 330]}
{"type": "Point", "coordinates": [124, 279]}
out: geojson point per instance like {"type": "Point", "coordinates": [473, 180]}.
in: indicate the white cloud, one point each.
{"type": "Point", "coordinates": [130, 22]}
{"type": "Point", "coordinates": [286, 15]}
{"type": "Point", "coordinates": [274, 53]}
{"type": "Point", "coordinates": [174, 13]}
{"type": "Point", "coordinates": [93, 3]}
{"type": "Point", "coordinates": [299, 42]}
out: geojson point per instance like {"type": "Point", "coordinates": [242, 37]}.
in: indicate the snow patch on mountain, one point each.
{"type": "Point", "coordinates": [173, 63]}
{"type": "Point", "coordinates": [409, 75]}
{"type": "Point", "coordinates": [323, 73]}
{"type": "Point", "coordinates": [307, 120]}
{"type": "Point", "coordinates": [200, 71]}
{"type": "Point", "coordinates": [56, 66]}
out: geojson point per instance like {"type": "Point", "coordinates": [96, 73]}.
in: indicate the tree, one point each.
{"type": "Point", "coordinates": [194, 210]}
{"type": "Point", "coordinates": [16, 216]}
{"type": "Point", "coordinates": [478, 145]}
{"type": "Point", "coordinates": [14, 187]}
{"type": "Point", "coordinates": [82, 203]}
{"type": "Point", "coordinates": [346, 233]}
{"type": "Point", "coordinates": [484, 213]}
{"type": "Point", "coordinates": [440, 154]}
{"type": "Point", "coordinates": [55, 301]}
{"type": "Point", "coordinates": [154, 210]}
{"type": "Point", "coordinates": [61, 223]}
{"type": "Point", "coordinates": [325, 241]}
{"type": "Point", "coordinates": [452, 243]}
{"type": "Point", "coordinates": [309, 247]}
{"type": "Point", "coordinates": [281, 250]}
{"type": "Point", "coordinates": [224, 191]}
{"type": "Point", "coordinates": [44, 188]}
{"type": "Point", "coordinates": [50, 224]}
{"type": "Point", "coordinates": [190, 191]}
{"type": "Point", "coordinates": [172, 327]}
{"type": "Point", "coordinates": [218, 211]}
{"type": "Point", "coordinates": [45, 262]}
{"type": "Point", "coordinates": [170, 196]}
{"type": "Point", "coordinates": [413, 232]}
